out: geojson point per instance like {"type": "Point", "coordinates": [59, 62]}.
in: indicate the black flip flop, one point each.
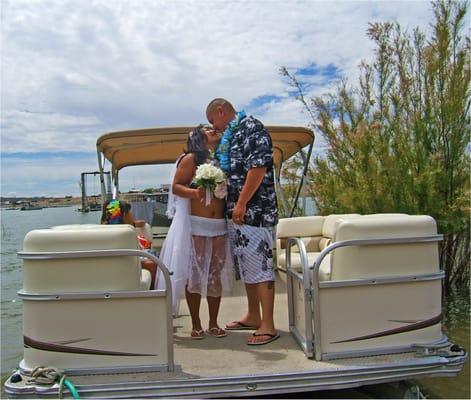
{"type": "Point", "coordinates": [272, 338]}
{"type": "Point", "coordinates": [240, 326]}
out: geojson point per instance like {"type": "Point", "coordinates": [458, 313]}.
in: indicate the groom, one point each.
{"type": "Point", "coordinates": [246, 156]}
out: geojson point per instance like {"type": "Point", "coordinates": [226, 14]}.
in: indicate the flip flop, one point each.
{"type": "Point", "coordinates": [239, 326]}
{"type": "Point", "coordinates": [262, 342]}
{"type": "Point", "coordinates": [197, 335]}
{"type": "Point", "coordinates": [216, 332]}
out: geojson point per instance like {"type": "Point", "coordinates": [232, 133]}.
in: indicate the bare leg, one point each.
{"type": "Point", "coordinates": [193, 297]}
{"type": "Point", "coordinates": [266, 295]}
{"type": "Point", "coordinates": [218, 258]}
{"type": "Point", "coordinates": [253, 305]}
{"type": "Point", "coordinates": [252, 317]}
{"type": "Point", "coordinates": [152, 268]}
{"type": "Point", "coordinates": [213, 306]}
{"type": "Point", "coordinates": [194, 301]}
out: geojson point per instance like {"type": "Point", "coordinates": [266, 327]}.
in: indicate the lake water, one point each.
{"type": "Point", "coordinates": [15, 224]}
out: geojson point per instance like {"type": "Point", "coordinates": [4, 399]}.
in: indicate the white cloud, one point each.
{"type": "Point", "coordinates": [73, 70]}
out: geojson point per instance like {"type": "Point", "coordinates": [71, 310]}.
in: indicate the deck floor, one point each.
{"type": "Point", "coordinates": [231, 356]}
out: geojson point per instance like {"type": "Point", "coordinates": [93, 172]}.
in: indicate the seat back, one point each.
{"type": "Point", "coordinates": [359, 262]}
{"type": "Point", "coordinates": [81, 274]}
{"type": "Point", "coordinates": [308, 229]}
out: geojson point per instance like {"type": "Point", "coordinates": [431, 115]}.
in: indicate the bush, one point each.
{"type": "Point", "coordinates": [397, 141]}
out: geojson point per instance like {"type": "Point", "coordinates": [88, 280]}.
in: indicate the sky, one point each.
{"type": "Point", "coordinates": [74, 70]}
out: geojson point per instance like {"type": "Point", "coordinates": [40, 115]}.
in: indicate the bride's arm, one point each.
{"type": "Point", "coordinates": [183, 176]}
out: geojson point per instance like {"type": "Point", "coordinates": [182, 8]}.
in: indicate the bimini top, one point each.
{"type": "Point", "coordinates": [164, 145]}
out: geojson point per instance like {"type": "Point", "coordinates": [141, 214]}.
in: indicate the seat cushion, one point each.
{"type": "Point", "coordinates": [77, 274]}
{"type": "Point", "coordinates": [310, 242]}
{"type": "Point", "coordinates": [330, 222]}
{"type": "Point", "coordinates": [362, 262]}
{"type": "Point", "coordinates": [299, 226]}
{"type": "Point", "coordinates": [324, 271]}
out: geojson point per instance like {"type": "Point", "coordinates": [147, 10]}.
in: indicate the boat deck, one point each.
{"type": "Point", "coordinates": [232, 356]}
{"type": "Point", "coordinates": [215, 367]}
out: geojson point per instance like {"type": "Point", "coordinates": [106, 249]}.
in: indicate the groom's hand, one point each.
{"type": "Point", "coordinates": [238, 214]}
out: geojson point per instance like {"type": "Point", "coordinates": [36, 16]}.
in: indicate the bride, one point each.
{"type": "Point", "coordinates": [204, 267]}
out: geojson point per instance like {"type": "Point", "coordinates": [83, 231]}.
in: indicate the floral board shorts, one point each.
{"type": "Point", "coordinates": [252, 249]}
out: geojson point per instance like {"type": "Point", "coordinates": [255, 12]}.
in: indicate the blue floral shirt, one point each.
{"type": "Point", "coordinates": [251, 147]}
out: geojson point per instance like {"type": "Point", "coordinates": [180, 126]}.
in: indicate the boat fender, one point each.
{"type": "Point", "coordinates": [16, 378]}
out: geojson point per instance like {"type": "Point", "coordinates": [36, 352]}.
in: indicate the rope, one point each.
{"type": "Point", "coordinates": [44, 375]}
{"type": "Point", "coordinates": [48, 376]}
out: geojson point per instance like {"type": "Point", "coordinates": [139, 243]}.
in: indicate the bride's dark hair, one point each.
{"type": "Point", "coordinates": [197, 144]}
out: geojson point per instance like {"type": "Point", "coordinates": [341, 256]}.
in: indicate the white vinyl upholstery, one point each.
{"type": "Point", "coordinates": [355, 262]}
{"type": "Point", "coordinates": [330, 222]}
{"type": "Point", "coordinates": [324, 271]}
{"type": "Point", "coordinates": [82, 274]}
{"type": "Point", "coordinates": [359, 311]}
{"type": "Point", "coordinates": [300, 226]}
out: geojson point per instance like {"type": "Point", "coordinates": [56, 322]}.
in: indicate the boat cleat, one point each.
{"type": "Point", "coordinates": [445, 349]}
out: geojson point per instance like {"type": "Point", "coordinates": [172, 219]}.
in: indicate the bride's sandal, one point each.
{"type": "Point", "coordinates": [197, 334]}
{"type": "Point", "coordinates": [216, 332]}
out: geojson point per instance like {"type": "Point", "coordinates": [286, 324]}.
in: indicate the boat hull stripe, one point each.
{"type": "Point", "coordinates": [45, 346]}
{"type": "Point", "coordinates": [407, 328]}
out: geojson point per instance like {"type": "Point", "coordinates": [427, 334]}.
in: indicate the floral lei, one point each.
{"type": "Point", "coordinates": [224, 147]}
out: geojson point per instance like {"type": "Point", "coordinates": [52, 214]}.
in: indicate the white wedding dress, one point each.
{"type": "Point", "coordinates": [175, 252]}
{"type": "Point", "coordinates": [198, 255]}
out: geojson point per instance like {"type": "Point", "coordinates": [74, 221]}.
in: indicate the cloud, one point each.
{"type": "Point", "coordinates": [73, 70]}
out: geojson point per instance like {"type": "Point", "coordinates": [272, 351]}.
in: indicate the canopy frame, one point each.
{"type": "Point", "coordinates": [155, 146]}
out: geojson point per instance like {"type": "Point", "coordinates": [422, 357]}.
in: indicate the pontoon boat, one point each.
{"type": "Point", "coordinates": [358, 302]}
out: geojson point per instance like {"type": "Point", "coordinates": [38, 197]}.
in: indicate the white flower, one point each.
{"type": "Point", "coordinates": [208, 172]}
{"type": "Point", "coordinates": [221, 190]}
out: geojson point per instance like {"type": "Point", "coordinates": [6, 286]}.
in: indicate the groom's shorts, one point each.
{"type": "Point", "coordinates": [252, 249]}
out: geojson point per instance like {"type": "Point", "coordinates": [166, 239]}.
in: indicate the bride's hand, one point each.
{"type": "Point", "coordinates": [198, 193]}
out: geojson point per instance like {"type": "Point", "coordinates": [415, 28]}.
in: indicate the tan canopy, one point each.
{"type": "Point", "coordinates": [164, 145]}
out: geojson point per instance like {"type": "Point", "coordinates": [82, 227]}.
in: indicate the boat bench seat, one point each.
{"type": "Point", "coordinates": [97, 312]}
{"type": "Point", "coordinates": [395, 286]}
{"type": "Point", "coordinates": [316, 232]}
{"type": "Point", "coordinates": [77, 274]}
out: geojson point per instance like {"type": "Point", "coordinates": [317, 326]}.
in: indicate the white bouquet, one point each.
{"type": "Point", "coordinates": [212, 179]}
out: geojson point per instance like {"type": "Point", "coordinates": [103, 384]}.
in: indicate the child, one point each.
{"type": "Point", "coordinates": [119, 212]}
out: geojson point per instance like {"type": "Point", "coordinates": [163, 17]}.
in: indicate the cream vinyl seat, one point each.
{"type": "Point", "coordinates": [92, 311]}
{"type": "Point", "coordinates": [385, 264]}
{"type": "Point", "coordinates": [91, 274]}
{"type": "Point", "coordinates": [316, 232]}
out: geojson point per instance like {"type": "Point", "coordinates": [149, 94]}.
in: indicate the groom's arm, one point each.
{"type": "Point", "coordinates": [252, 182]}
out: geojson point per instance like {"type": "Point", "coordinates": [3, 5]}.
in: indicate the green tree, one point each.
{"type": "Point", "coordinates": [397, 141]}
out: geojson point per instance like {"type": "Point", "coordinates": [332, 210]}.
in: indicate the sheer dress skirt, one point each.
{"type": "Point", "coordinates": [210, 271]}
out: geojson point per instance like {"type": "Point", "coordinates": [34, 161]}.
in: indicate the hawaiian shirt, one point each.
{"type": "Point", "coordinates": [251, 147]}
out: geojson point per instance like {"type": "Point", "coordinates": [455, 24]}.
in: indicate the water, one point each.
{"type": "Point", "coordinates": [15, 224]}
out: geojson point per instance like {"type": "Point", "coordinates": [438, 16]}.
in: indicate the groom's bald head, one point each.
{"type": "Point", "coordinates": [219, 102]}
{"type": "Point", "coordinates": [219, 113]}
